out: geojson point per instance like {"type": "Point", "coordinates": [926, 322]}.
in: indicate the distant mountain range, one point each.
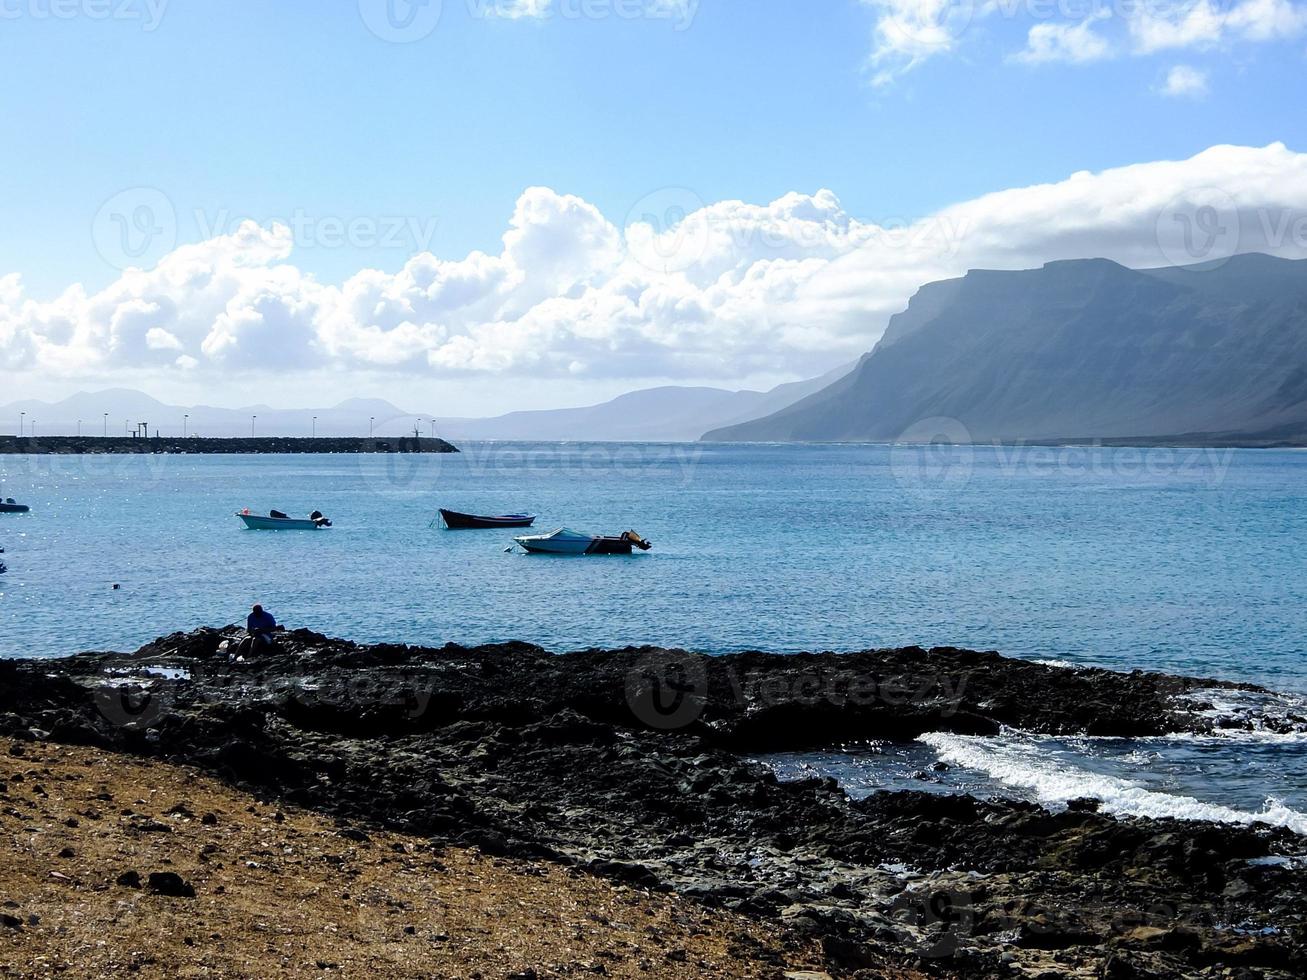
{"type": "Point", "coordinates": [1078, 350]}
{"type": "Point", "coordinates": [126, 408]}
{"type": "Point", "coordinates": [655, 414]}
{"type": "Point", "coordinates": [667, 414]}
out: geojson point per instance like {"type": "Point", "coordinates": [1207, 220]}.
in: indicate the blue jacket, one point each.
{"type": "Point", "coordinates": [260, 622]}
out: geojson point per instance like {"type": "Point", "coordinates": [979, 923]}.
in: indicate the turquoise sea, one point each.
{"type": "Point", "coordinates": [1184, 560]}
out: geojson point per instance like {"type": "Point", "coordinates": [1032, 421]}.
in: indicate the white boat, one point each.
{"type": "Point", "coordinates": [565, 541]}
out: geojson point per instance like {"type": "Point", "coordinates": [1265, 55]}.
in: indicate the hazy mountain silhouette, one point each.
{"type": "Point", "coordinates": [126, 408]}
{"type": "Point", "coordinates": [666, 414]}
{"type": "Point", "coordinates": [1081, 349]}
{"type": "Point", "coordinates": [654, 414]}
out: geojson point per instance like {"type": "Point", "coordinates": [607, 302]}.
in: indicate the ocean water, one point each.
{"type": "Point", "coordinates": [1185, 560]}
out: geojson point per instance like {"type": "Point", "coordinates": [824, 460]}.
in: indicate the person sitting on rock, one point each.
{"type": "Point", "coordinates": [259, 625]}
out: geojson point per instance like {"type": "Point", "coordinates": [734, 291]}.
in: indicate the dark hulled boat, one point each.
{"type": "Point", "coordinates": [465, 522]}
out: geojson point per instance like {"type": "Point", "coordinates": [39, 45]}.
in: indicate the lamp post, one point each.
{"type": "Point", "coordinates": [33, 428]}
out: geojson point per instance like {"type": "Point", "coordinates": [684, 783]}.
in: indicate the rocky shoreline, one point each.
{"type": "Point", "coordinates": [634, 764]}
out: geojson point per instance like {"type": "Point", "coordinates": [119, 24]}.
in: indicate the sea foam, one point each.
{"type": "Point", "coordinates": [1054, 781]}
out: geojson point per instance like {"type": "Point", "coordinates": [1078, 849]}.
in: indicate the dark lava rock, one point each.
{"type": "Point", "coordinates": [170, 883]}
{"type": "Point", "coordinates": [129, 879]}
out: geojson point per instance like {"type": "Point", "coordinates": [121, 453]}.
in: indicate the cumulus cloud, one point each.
{"type": "Point", "coordinates": [1073, 43]}
{"type": "Point", "coordinates": [1185, 81]}
{"type": "Point", "coordinates": [683, 289]}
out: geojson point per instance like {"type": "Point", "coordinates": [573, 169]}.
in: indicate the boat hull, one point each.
{"type": "Point", "coordinates": [564, 542]}
{"type": "Point", "coordinates": [543, 547]}
{"type": "Point", "coordinates": [255, 522]}
{"type": "Point", "coordinates": [14, 508]}
{"type": "Point", "coordinates": [469, 522]}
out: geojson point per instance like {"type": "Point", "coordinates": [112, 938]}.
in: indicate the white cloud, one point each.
{"type": "Point", "coordinates": [516, 9]}
{"type": "Point", "coordinates": [1207, 23]}
{"type": "Point", "coordinates": [1185, 81]}
{"type": "Point", "coordinates": [681, 12]}
{"type": "Point", "coordinates": [156, 338]}
{"type": "Point", "coordinates": [723, 291]}
{"type": "Point", "coordinates": [1075, 44]}
{"type": "Point", "coordinates": [908, 32]}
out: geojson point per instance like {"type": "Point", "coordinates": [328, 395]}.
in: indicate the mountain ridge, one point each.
{"type": "Point", "coordinates": [1077, 350]}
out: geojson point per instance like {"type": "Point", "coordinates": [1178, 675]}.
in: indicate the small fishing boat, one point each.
{"type": "Point", "coordinates": [564, 541]}
{"type": "Point", "coordinates": [463, 522]}
{"type": "Point", "coordinates": [10, 506]}
{"type": "Point", "coordinates": [277, 521]}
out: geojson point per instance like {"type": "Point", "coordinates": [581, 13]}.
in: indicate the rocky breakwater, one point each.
{"type": "Point", "coordinates": [634, 764]}
{"type": "Point", "coordinates": [102, 445]}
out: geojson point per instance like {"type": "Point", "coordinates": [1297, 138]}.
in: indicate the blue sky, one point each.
{"type": "Point", "coordinates": [297, 112]}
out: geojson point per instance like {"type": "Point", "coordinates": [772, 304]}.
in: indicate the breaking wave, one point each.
{"type": "Point", "coordinates": [1055, 780]}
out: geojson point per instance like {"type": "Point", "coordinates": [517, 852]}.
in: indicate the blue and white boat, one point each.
{"type": "Point", "coordinates": [11, 506]}
{"type": "Point", "coordinates": [277, 521]}
{"type": "Point", "coordinates": [565, 541]}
